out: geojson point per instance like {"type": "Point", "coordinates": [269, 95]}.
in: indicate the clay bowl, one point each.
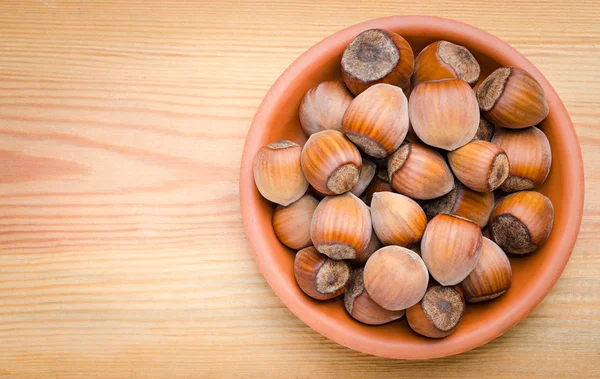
{"type": "Point", "coordinates": [533, 275]}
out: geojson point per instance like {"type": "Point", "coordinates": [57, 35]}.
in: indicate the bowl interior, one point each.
{"type": "Point", "coordinates": [533, 275]}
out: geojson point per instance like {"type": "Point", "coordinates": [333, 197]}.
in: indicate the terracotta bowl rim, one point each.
{"type": "Point", "coordinates": [573, 194]}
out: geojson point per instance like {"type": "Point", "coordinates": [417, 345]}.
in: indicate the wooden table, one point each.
{"type": "Point", "coordinates": [121, 131]}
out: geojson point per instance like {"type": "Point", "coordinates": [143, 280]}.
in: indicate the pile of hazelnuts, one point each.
{"type": "Point", "coordinates": [394, 186]}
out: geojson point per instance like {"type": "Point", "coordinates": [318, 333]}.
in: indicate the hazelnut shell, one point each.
{"type": "Point", "coordinates": [278, 172]}
{"type": "Point", "coordinates": [529, 154]}
{"type": "Point", "coordinates": [362, 308]}
{"type": "Point", "coordinates": [377, 120]}
{"type": "Point", "coordinates": [450, 248]}
{"type": "Point", "coordinates": [323, 107]}
{"type": "Point", "coordinates": [511, 98]}
{"type": "Point", "coordinates": [419, 172]}
{"type": "Point", "coordinates": [444, 113]}
{"type": "Point", "coordinates": [438, 314]}
{"type": "Point", "coordinates": [320, 277]}
{"type": "Point", "coordinates": [480, 165]}
{"type": "Point", "coordinates": [521, 222]}
{"type": "Point", "coordinates": [491, 277]}
{"type": "Point", "coordinates": [397, 219]}
{"type": "Point", "coordinates": [330, 162]}
{"type": "Point", "coordinates": [341, 226]}
{"type": "Point", "coordinates": [445, 60]}
{"type": "Point", "coordinates": [377, 56]}
{"type": "Point", "coordinates": [395, 277]}
{"type": "Point", "coordinates": [464, 202]}
{"type": "Point", "coordinates": [291, 224]}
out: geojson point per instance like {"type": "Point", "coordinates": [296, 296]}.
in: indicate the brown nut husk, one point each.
{"type": "Point", "coordinates": [490, 278]}
{"type": "Point", "coordinates": [330, 162]}
{"type": "Point", "coordinates": [464, 202]}
{"type": "Point", "coordinates": [395, 277]}
{"type": "Point", "coordinates": [529, 154]}
{"type": "Point", "coordinates": [323, 107]}
{"type": "Point", "coordinates": [278, 172]}
{"type": "Point", "coordinates": [367, 173]}
{"type": "Point", "coordinates": [320, 277]}
{"type": "Point", "coordinates": [291, 224]}
{"type": "Point", "coordinates": [341, 226]}
{"type": "Point", "coordinates": [362, 308]}
{"type": "Point", "coordinates": [445, 60]}
{"type": "Point", "coordinates": [521, 222]}
{"type": "Point", "coordinates": [444, 113]}
{"type": "Point", "coordinates": [450, 248]}
{"type": "Point", "coordinates": [419, 172]}
{"type": "Point", "coordinates": [512, 98]}
{"type": "Point", "coordinates": [377, 120]}
{"type": "Point", "coordinates": [438, 314]}
{"type": "Point", "coordinates": [397, 219]}
{"type": "Point", "coordinates": [485, 131]}
{"type": "Point", "coordinates": [480, 165]}
{"type": "Point", "coordinates": [377, 56]}
{"type": "Point", "coordinates": [380, 183]}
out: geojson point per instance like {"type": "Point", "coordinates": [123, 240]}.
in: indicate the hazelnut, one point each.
{"type": "Point", "coordinates": [521, 222]}
{"type": "Point", "coordinates": [373, 246]}
{"type": "Point", "coordinates": [323, 107]}
{"type": "Point", "coordinates": [419, 172]}
{"type": "Point", "coordinates": [377, 120]}
{"type": "Point", "coordinates": [341, 226]}
{"type": "Point", "coordinates": [320, 277]}
{"type": "Point", "coordinates": [367, 172]}
{"type": "Point", "coordinates": [444, 113]}
{"type": "Point", "coordinates": [395, 277]}
{"type": "Point", "coordinates": [529, 154]}
{"type": "Point", "coordinates": [491, 276]}
{"type": "Point", "coordinates": [278, 172]}
{"type": "Point", "coordinates": [377, 56]}
{"type": "Point", "coordinates": [485, 131]}
{"type": "Point", "coordinates": [445, 60]}
{"type": "Point", "coordinates": [362, 308]}
{"type": "Point", "coordinates": [291, 224]}
{"type": "Point", "coordinates": [512, 98]}
{"type": "Point", "coordinates": [397, 219]}
{"type": "Point", "coordinates": [380, 183]}
{"type": "Point", "coordinates": [330, 162]}
{"type": "Point", "coordinates": [479, 165]}
{"type": "Point", "coordinates": [450, 248]}
{"type": "Point", "coordinates": [464, 202]}
{"type": "Point", "coordinates": [438, 314]}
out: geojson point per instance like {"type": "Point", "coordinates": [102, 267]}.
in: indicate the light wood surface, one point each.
{"type": "Point", "coordinates": [123, 255]}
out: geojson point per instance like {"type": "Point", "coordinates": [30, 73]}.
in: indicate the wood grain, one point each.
{"type": "Point", "coordinates": [121, 130]}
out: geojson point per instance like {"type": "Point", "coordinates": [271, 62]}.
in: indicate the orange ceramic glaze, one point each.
{"type": "Point", "coordinates": [533, 275]}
